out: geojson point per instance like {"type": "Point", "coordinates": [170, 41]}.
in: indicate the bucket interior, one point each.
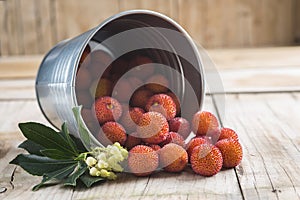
{"type": "Point", "coordinates": [131, 53]}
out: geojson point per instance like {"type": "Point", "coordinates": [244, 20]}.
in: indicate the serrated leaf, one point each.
{"type": "Point", "coordinates": [32, 147]}
{"type": "Point", "coordinates": [66, 134]}
{"type": "Point", "coordinates": [90, 180]}
{"type": "Point", "coordinates": [55, 154]}
{"type": "Point", "coordinates": [79, 170]}
{"type": "Point", "coordinates": [58, 174]}
{"type": "Point", "coordinates": [46, 137]}
{"type": "Point", "coordinates": [39, 165]}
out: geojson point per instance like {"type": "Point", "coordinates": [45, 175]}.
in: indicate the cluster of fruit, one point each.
{"type": "Point", "coordinates": [158, 137]}
{"type": "Point", "coordinates": [210, 150]}
{"type": "Point", "coordinates": [147, 121]}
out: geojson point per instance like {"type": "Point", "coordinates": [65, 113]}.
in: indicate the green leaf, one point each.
{"type": "Point", "coordinates": [39, 165]}
{"type": "Point", "coordinates": [58, 174]}
{"type": "Point", "coordinates": [90, 180]}
{"type": "Point", "coordinates": [66, 134]}
{"type": "Point", "coordinates": [46, 137]}
{"type": "Point", "coordinates": [79, 170]}
{"type": "Point", "coordinates": [31, 147]}
{"type": "Point", "coordinates": [79, 144]}
{"type": "Point", "coordinates": [55, 154]}
{"type": "Point", "coordinates": [84, 133]}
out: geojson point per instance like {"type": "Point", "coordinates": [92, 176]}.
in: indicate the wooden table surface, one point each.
{"type": "Point", "coordinates": [262, 93]}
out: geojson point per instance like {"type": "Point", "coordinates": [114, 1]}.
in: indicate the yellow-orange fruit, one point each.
{"type": "Point", "coordinates": [132, 141]}
{"type": "Point", "coordinates": [181, 126]}
{"type": "Point", "coordinates": [155, 147]}
{"type": "Point", "coordinates": [130, 119]}
{"type": "Point", "coordinates": [153, 128]}
{"type": "Point", "coordinates": [176, 101]}
{"type": "Point", "coordinates": [163, 104]}
{"type": "Point", "coordinates": [232, 152]}
{"type": "Point", "coordinates": [158, 84]}
{"type": "Point", "coordinates": [101, 88]}
{"type": "Point", "coordinates": [227, 133]}
{"type": "Point", "coordinates": [142, 160]}
{"type": "Point", "coordinates": [175, 138]}
{"type": "Point", "coordinates": [206, 160]}
{"type": "Point", "coordinates": [107, 109]}
{"type": "Point", "coordinates": [114, 132]}
{"type": "Point", "coordinates": [140, 98]}
{"type": "Point", "coordinates": [173, 157]}
{"type": "Point", "coordinates": [197, 141]}
{"type": "Point", "coordinates": [204, 122]}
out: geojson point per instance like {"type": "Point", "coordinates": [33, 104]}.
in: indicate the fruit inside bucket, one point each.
{"type": "Point", "coordinates": [117, 83]}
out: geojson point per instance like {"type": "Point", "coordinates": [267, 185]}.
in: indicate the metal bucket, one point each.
{"type": "Point", "coordinates": [159, 36]}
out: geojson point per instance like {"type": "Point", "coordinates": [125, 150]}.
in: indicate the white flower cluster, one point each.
{"type": "Point", "coordinates": [105, 161]}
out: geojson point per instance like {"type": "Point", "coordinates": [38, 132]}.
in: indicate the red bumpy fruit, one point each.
{"type": "Point", "coordinates": [142, 160]}
{"type": "Point", "coordinates": [232, 152]}
{"type": "Point", "coordinates": [173, 158]}
{"type": "Point", "coordinates": [181, 126]}
{"type": "Point", "coordinates": [114, 132]}
{"type": "Point", "coordinates": [206, 160]}
{"type": "Point", "coordinates": [153, 128]}
{"type": "Point", "coordinates": [107, 109]}
{"type": "Point", "coordinates": [163, 104]}
{"type": "Point", "coordinates": [204, 122]}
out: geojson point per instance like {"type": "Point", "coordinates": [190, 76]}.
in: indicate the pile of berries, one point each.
{"type": "Point", "coordinates": [148, 122]}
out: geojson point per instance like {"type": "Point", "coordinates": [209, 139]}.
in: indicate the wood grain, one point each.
{"type": "Point", "coordinates": [44, 25]}
{"type": "Point", "coordinates": [34, 26]}
{"type": "Point", "coordinates": [10, 29]}
{"type": "Point", "coordinates": [297, 22]}
{"type": "Point", "coordinates": [268, 133]}
{"type": "Point", "coordinates": [166, 7]}
{"type": "Point", "coordinates": [194, 21]}
{"type": "Point", "coordinates": [76, 18]}
{"type": "Point", "coordinates": [14, 67]}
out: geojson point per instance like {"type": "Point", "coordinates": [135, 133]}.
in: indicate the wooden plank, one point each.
{"type": "Point", "coordinates": [16, 112]}
{"type": "Point", "coordinates": [297, 22]}
{"type": "Point", "coordinates": [30, 40]}
{"type": "Point", "coordinates": [167, 7]}
{"type": "Point", "coordinates": [259, 80]}
{"type": "Point", "coordinates": [76, 18]}
{"type": "Point", "coordinates": [192, 17]}
{"type": "Point", "coordinates": [267, 129]}
{"type": "Point", "coordinates": [2, 35]}
{"type": "Point", "coordinates": [43, 14]}
{"type": "Point", "coordinates": [255, 57]}
{"type": "Point", "coordinates": [14, 67]}
{"type": "Point", "coordinates": [17, 89]}
{"type": "Point", "coordinates": [10, 29]}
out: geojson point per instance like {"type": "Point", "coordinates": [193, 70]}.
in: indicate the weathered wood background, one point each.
{"type": "Point", "coordinates": [34, 26]}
